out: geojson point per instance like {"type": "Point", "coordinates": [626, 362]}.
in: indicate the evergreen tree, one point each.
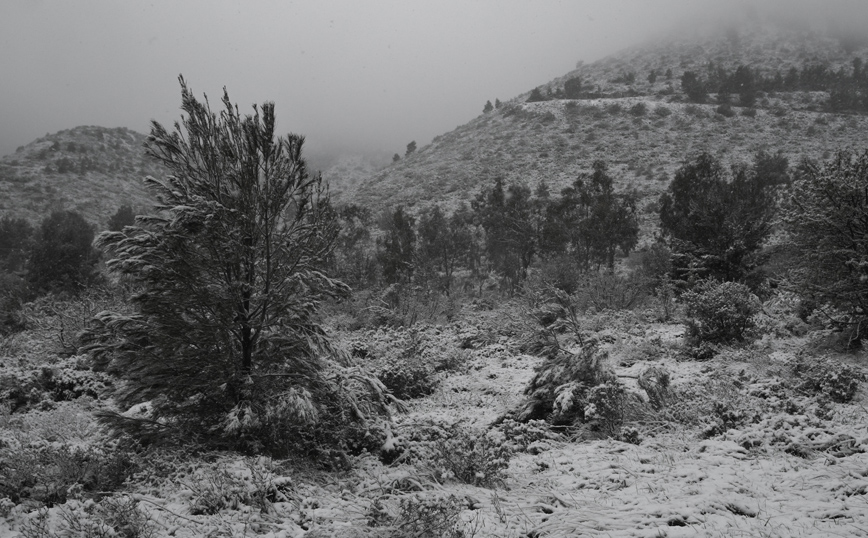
{"type": "Point", "coordinates": [443, 244]}
{"type": "Point", "coordinates": [15, 237]}
{"type": "Point", "coordinates": [487, 108]}
{"type": "Point", "coordinates": [591, 222]}
{"type": "Point", "coordinates": [397, 248]}
{"type": "Point", "coordinates": [227, 278]}
{"type": "Point", "coordinates": [826, 215]}
{"type": "Point", "coordinates": [510, 240]}
{"type": "Point", "coordinates": [353, 257]}
{"type": "Point", "coordinates": [62, 258]}
{"type": "Point", "coordinates": [693, 87]}
{"type": "Point", "coordinates": [716, 223]}
{"type": "Point", "coordinates": [123, 217]}
{"type": "Point", "coordinates": [411, 148]}
{"type": "Point", "coordinates": [573, 88]}
{"type": "Point", "coordinates": [536, 96]}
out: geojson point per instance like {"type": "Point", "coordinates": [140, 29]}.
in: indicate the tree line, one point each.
{"type": "Point", "coordinates": [847, 87]}
{"type": "Point", "coordinates": [502, 232]}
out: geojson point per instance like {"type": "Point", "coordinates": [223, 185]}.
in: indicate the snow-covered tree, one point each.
{"type": "Point", "coordinates": [227, 278]}
{"type": "Point", "coordinates": [826, 215]}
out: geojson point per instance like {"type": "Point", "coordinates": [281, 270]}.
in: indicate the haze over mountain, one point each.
{"type": "Point", "coordinates": [350, 76]}
{"type": "Point", "coordinates": [642, 125]}
{"type": "Point", "coordinates": [644, 129]}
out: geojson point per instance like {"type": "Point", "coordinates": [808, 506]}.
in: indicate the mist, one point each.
{"type": "Point", "coordinates": [350, 76]}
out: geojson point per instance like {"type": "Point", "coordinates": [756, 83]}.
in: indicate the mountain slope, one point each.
{"type": "Point", "coordinates": [644, 130]}
{"type": "Point", "coordinates": [92, 170]}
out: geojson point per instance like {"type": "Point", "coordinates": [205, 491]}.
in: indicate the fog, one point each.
{"type": "Point", "coordinates": [348, 74]}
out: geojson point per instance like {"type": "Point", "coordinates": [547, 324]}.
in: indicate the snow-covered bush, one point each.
{"type": "Point", "coordinates": [50, 474]}
{"type": "Point", "coordinates": [458, 452]}
{"type": "Point", "coordinates": [525, 436]}
{"type": "Point", "coordinates": [421, 515]}
{"type": "Point", "coordinates": [837, 381]}
{"type": "Point", "coordinates": [408, 378]}
{"type": "Point", "coordinates": [254, 484]}
{"type": "Point", "coordinates": [115, 516]}
{"type": "Point", "coordinates": [604, 407]}
{"type": "Point", "coordinates": [559, 389]}
{"type": "Point", "coordinates": [719, 312]}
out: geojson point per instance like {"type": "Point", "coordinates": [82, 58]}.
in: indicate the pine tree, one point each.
{"type": "Point", "coordinates": [826, 215]}
{"type": "Point", "coordinates": [62, 257]}
{"type": "Point", "coordinates": [15, 237]}
{"type": "Point", "coordinates": [397, 249]}
{"type": "Point", "coordinates": [123, 217]}
{"type": "Point", "coordinates": [716, 222]}
{"type": "Point", "coordinates": [227, 278]}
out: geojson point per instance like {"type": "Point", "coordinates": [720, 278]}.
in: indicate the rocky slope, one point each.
{"type": "Point", "coordinates": [645, 130]}
{"type": "Point", "coordinates": [92, 170]}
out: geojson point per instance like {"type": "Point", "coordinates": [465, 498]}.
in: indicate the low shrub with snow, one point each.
{"type": "Point", "coordinates": [419, 515]}
{"type": "Point", "coordinates": [457, 452]}
{"type": "Point", "coordinates": [719, 312]}
{"type": "Point", "coordinates": [49, 474]}
{"type": "Point", "coordinates": [837, 381]}
{"type": "Point", "coordinates": [560, 389]}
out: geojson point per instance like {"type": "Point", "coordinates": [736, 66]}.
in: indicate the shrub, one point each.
{"type": "Point", "coordinates": [457, 452]}
{"type": "Point", "coordinates": [639, 109]}
{"type": "Point", "coordinates": [47, 474]}
{"type": "Point", "coordinates": [837, 381]}
{"type": "Point", "coordinates": [525, 436]}
{"type": "Point", "coordinates": [408, 379]}
{"type": "Point", "coordinates": [429, 517]}
{"type": "Point", "coordinates": [719, 312]}
{"type": "Point", "coordinates": [725, 110]}
{"type": "Point", "coordinates": [559, 389]}
{"type": "Point", "coordinates": [421, 515]}
{"type": "Point", "coordinates": [604, 407]}
{"type": "Point", "coordinates": [662, 111]}
{"type": "Point", "coordinates": [220, 487]}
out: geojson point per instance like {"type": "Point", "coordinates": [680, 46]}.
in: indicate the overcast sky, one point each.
{"type": "Point", "coordinates": [345, 73]}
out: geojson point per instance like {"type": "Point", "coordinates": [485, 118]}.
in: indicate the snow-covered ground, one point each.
{"type": "Point", "coordinates": [773, 461]}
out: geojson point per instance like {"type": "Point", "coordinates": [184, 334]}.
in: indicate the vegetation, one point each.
{"type": "Point", "coordinates": [825, 215]}
{"type": "Point", "coordinates": [719, 312]}
{"type": "Point", "coordinates": [124, 217]}
{"type": "Point", "coordinates": [534, 320]}
{"type": "Point", "coordinates": [715, 221]}
{"type": "Point", "coordinates": [228, 279]}
{"type": "Point", "coordinates": [62, 258]}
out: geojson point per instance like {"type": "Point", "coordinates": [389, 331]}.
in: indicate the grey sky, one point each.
{"type": "Point", "coordinates": [351, 73]}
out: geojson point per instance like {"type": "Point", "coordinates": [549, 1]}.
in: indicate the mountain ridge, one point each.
{"type": "Point", "coordinates": [89, 169]}
{"type": "Point", "coordinates": [643, 127]}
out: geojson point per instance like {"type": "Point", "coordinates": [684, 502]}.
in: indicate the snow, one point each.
{"type": "Point", "coordinates": [782, 474]}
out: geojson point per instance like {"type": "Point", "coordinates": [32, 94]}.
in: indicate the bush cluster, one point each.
{"type": "Point", "coordinates": [51, 474]}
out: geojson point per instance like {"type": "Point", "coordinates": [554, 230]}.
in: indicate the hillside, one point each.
{"type": "Point", "coordinates": [92, 170]}
{"type": "Point", "coordinates": [644, 130]}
